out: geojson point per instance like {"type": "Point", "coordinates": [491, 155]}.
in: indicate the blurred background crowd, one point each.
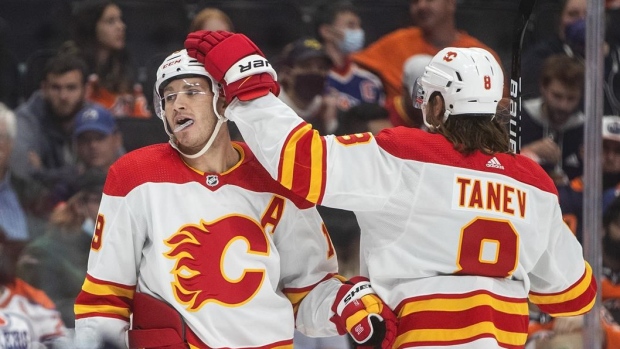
{"type": "Point", "coordinates": [76, 80]}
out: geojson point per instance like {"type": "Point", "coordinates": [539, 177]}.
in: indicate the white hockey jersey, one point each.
{"type": "Point", "coordinates": [238, 256]}
{"type": "Point", "coordinates": [455, 244]}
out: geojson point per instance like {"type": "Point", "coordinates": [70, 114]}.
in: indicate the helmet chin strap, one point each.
{"type": "Point", "coordinates": [220, 120]}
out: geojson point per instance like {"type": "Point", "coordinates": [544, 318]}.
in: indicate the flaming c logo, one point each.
{"type": "Point", "coordinates": [200, 251]}
{"type": "Point", "coordinates": [449, 56]}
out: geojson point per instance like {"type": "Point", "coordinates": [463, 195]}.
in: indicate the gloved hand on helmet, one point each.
{"type": "Point", "coordinates": [235, 62]}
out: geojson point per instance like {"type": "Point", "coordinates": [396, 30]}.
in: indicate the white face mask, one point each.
{"type": "Point", "coordinates": [88, 227]}
{"type": "Point", "coordinates": [352, 41]}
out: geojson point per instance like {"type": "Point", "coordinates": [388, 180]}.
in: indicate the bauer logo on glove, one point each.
{"type": "Point", "coordinates": [360, 312]}
{"type": "Point", "coordinates": [235, 62]}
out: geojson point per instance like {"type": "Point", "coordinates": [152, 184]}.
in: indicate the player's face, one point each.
{"type": "Point", "coordinates": [429, 14]}
{"type": "Point", "coordinates": [64, 93]}
{"type": "Point", "coordinates": [111, 28]}
{"type": "Point", "coordinates": [99, 150]}
{"type": "Point", "coordinates": [561, 101]}
{"type": "Point", "coordinates": [188, 107]}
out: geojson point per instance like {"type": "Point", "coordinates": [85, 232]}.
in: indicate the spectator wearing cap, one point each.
{"type": "Point", "coordinates": [571, 194]}
{"type": "Point", "coordinates": [98, 141]}
{"type": "Point", "coordinates": [302, 69]}
{"type": "Point", "coordinates": [56, 261]}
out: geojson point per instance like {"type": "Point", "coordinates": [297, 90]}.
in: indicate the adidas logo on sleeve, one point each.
{"type": "Point", "coordinates": [495, 163]}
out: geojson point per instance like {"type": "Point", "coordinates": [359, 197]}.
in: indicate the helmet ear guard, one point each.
{"type": "Point", "coordinates": [469, 79]}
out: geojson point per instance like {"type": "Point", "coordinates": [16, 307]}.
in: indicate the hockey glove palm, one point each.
{"type": "Point", "coordinates": [359, 312]}
{"type": "Point", "coordinates": [235, 62]}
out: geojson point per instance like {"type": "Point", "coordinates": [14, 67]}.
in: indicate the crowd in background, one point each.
{"type": "Point", "coordinates": [90, 100]}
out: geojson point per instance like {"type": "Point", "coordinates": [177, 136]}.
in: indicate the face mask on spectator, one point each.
{"type": "Point", "coordinates": [575, 34]}
{"type": "Point", "coordinates": [352, 41]}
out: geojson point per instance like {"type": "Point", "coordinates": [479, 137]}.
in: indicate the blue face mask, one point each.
{"type": "Point", "coordinates": [352, 41]}
{"type": "Point", "coordinates": [575, 34]}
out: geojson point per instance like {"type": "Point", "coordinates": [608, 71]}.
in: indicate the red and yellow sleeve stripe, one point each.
{"type": "Point", "coordinates": [303, 163]}
{"type": "Point", "coordinates": [453, 319]}
{"type": "Point", "coordinates": [104, 298]}
{"type": "Point", "coordinates": [577, 299]}
{"type": "Point", "coordinates": [296, 294]}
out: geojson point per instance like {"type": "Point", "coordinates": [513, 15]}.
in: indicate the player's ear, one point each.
{"type": "Point", "coordinates": [221, 105]}
{"type": "Point", "coordinates": [437, 106]}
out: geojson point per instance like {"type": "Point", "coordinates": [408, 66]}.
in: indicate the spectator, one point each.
{"type": "Point", "coordinates": [457, 231]}
{"type": "Point", "coordinates": [236, 247]}
{"type": "Point", "coordinates": [28, 318]}
{"type": "Point", "coordinates": [97, 144]}
{"type": "Point", "coordinates": [42, 148]}
{"type": "Point", "coordinates": [211, 19]}
{"type": "Point", "coordinates": [534, 56]}
{"type": "Point", "coordinates": [569, 40]}
{"type": "Point", "coordinates": [556, 116]}
{"type": "Point", "coordinates": [56, 262]}
{"type": "Point", "coordinates": [339, 29]}
{"type": "Point", "coordinates": [302, 67]}
{"type": "Point", "coordinates": [571, 194]}
{"type": "Point", "coordinates": [98, 141]}
{"type": "Point", "coordinates": [12, 215]}
{"type": "Point", "coordinates": [99, 36]}
{"type": "Point", "coordinates": [435, 29]}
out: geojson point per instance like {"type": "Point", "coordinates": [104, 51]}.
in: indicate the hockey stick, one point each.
{"type": "Point", "coordinates": [520, 26]}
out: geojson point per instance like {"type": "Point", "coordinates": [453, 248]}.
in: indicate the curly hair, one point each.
{"type": "Point", "coordinates": [471, 132]}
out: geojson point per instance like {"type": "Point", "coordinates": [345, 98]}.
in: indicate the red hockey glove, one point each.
{"type": "Point", "coordinates": [155, 324]}
{"type": "Point", "coordinates": [235, 62]}
{"type": "Point", "coordinates": [363, 315]}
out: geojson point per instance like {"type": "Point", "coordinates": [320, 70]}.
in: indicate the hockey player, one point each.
{"type": "Point", "coordinates": [201, 248]}
{"type": "Point", "coordinates": [457, 232]}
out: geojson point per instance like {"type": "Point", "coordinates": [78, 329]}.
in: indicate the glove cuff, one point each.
{"type": "Point", "coordinates": [248, 66]}
{"type": "Point", "coordinates": [353, 293]}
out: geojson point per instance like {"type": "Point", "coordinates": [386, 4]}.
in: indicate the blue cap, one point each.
{"type": "Point", "coordinates": [94, 118]}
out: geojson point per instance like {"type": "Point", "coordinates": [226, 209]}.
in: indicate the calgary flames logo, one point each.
{"type": "Point", "coordinates": [450, 55]}
{"type": "Point", "coordinates": [200, 273]}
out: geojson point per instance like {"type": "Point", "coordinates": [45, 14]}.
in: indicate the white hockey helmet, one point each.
{"type": "Point", "coordinates": [177, 65]}
{"type": "Point", "coordinates": [469, 79]}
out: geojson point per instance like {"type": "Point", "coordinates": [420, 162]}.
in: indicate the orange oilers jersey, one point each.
{"type": "Point", "coordinates": [239, 257]}
{"type": "Point", "coordinates": [455, 245]}
{"type": "Point", "coordinates": [28, 317]}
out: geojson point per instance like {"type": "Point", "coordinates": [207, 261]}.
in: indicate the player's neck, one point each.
{"type": "Point", "coordinates": [220, 157]}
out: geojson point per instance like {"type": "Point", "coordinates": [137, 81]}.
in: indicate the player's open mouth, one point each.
{"type": "Point", "coordinates": [182, 124]}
